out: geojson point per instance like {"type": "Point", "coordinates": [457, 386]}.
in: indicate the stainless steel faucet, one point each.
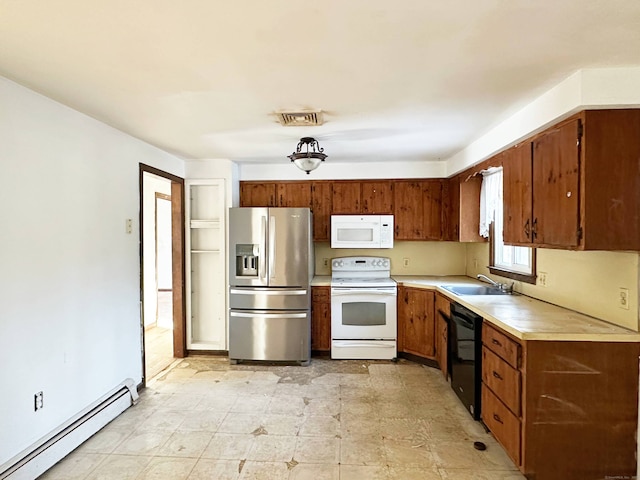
{"type": "Point", "coordinates": [502, 286]}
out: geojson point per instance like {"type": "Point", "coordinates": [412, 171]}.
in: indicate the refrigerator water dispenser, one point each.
{"type": "Point", "coordinates": [247, 260]}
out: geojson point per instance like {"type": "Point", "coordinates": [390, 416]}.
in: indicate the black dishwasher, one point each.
{"type": "Point", "coordinates": [465, 343]}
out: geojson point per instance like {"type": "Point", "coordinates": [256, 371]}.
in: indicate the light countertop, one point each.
{"type": "Point", "coordinates": [524, 317]}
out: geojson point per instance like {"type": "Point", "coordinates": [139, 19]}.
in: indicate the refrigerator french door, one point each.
{"type": "Point", "coordinates": [270, 269]}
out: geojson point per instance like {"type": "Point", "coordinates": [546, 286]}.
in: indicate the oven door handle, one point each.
{"type": "Point", "coordinates": [363, 291]}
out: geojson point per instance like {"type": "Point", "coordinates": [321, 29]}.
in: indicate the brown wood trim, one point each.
{"type": "Point", "coordinates": [207, 353]}
{"type": "Point", "coordinates": [160, 173]}
{"type": "Point", "coordinates": [178, 269]}
{"type": "Point", "coordinates": [178, 249]}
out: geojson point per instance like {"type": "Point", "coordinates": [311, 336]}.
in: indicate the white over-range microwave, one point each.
{"type": "Point", "coordinates": [361, 231]}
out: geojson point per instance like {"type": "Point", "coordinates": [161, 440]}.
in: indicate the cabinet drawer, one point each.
{"type": "Point", "coordinates": [502, 345]}
{"type": "Point", "coordinates": [502, 379]}
{"type": "Point", "coordinates": [504, 425]}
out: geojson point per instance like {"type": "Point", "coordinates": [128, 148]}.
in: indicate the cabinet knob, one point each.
{"type": "Point", "coordinates": [497, 418]}
{"type": "Point", "coordinates": [496, 342]}
{"type": "Point", "coordinates": [527, 229]}
{"type": "Point", "coordinates": [497, 375]}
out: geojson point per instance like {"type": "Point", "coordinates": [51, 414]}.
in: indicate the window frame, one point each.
{"type": "Point", "coordinates": [501, 271]}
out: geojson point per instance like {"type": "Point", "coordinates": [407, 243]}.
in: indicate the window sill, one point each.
{"type": "Point", "coordinates": [521, 277]}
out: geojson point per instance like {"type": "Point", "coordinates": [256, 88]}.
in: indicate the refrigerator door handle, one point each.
{"type": "Point", "coordinates": [272, 247]}
{"type": "Point", "coordinates": [254, 314]}
{"type": "Point", "coordinates": [263, 236]}
{"type": "Point", "coordinates": [253, 292]}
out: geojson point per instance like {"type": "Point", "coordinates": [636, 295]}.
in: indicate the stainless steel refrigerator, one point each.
{"type": "Point", "coordinates": [270, 269]}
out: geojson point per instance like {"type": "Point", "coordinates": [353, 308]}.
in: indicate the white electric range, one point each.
{"type": "Point", "coordinates": [363, 308]}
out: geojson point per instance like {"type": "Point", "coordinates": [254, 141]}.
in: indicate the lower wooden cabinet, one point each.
{"type": "Point", "coordinates": [321, 319]}
{"type": "Point", "coordinates": [416, 322]}
{"type": "Point", "coordinates": [562, 410]}
{"type": "Point", "coordinates": [504, 425]}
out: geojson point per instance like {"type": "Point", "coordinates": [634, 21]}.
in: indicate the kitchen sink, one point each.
{"type": "Point", "coordinates": [475, 290]}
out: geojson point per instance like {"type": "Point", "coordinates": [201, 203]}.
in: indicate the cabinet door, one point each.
{"type": "Point", "coordinates": [320, 318]}
{"type": "Point", "coordinates": [469, 209]}
{"type": "Point", "coordinates": [321, 207]}
{"type": "Point", "coordinates": [377, 197]}
{"type": "Point", "coordinates": [442, 310]}
{"type": "Point", "coordinates": [419, 324]}
{"type": "Point", "coordinates": [294, 194]}
{"type": "Point", "coordinates": [452, 210]}
{"type": "Point", "coordinates": [408, 210]}
{"type": "Point", "coordinates": [346, 198]}
{"type": "Point", "coordinates": [556, 215]}
{"type": "Point", "coordinates": [432, 209]}
{"type": "Point", "coordinates": [257, 194]}
{"type": "Point", "coordinates": [517, 194]}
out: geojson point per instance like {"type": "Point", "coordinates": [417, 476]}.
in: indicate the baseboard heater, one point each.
{"type": "Point", "coordinates": [49, 450]}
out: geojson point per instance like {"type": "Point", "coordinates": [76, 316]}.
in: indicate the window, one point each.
{"type": "Point", "coordinates": [517, 263]}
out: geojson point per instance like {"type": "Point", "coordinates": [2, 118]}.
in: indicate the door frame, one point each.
{"type": "Point", "coordinates": [177, 257]}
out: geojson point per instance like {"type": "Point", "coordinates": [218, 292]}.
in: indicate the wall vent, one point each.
{"type": "Point", "coordinates": [309, 118]}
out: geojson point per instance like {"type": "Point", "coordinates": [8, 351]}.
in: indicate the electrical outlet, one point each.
{"type": "Point", "coordinates": [623, 298]}
{"type": "Point", "coordinates": [38, 401]}
{"type": "Point", "coordinates": [542, 279]}
{"type": "Point", "coordinates": [128, 226]}
{"type": "Point", "coordinates": [405, 262]}
{"type": "Point", "coordinates": [325, 262]}
{"type": "Point", "coordinates": [475, 263]}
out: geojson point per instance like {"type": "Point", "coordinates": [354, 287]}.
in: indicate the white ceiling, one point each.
{"type": "Point", "coordinates": [398, 81]}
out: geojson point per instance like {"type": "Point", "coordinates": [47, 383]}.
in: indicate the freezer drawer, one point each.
{"type": "Point", "coordinates": [279, 336]}
{"type": "Point", "coordinates": [265, 298]}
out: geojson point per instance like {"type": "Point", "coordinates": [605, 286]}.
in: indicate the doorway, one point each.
{"type": "Point", "coordinates": [161, 270]}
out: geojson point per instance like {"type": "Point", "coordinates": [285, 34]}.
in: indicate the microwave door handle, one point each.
{"type": "Point", "coordinates": [263, 247]}
{"type": "Point", "coordinates": [272, 246]}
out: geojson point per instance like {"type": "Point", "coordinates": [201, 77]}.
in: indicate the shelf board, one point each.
{"type": "Point", "coordinates": [205, 223]}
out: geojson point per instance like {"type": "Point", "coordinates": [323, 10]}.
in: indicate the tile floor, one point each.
{"type": "Point", "coordinates": [347, 420]}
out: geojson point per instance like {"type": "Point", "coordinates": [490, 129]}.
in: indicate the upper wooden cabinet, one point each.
{"type": "Point", "coordinates": [294, 194]}
{"type": "Point", "coordinates": [556, 163]}
{"type": "Point", "coordinates": [275, 194]}
{"type": "Point", "coordinates": [367, 197]}
{"type": "Point", "coordinates": [418, 213]}
{"type": "Point", "coordinates": [377, 197]}
{"type": "Point", "coordinates": [463, 209]}
{"type": "Point", "coordinates": [321, 203]}
{"type": "Point", "coordinates": [576, 185]}
{"type": "Point", "coordinates": [258, 194]}
{"type": "Point", "coordinates": [346, 197]}
{"type": "Point", "coordinates": [517, 188]}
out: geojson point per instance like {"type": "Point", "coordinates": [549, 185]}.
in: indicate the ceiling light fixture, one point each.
{"type": "Point", "coordinates": [309, 159]}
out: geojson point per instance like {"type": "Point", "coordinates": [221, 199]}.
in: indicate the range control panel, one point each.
{"type": "Point", "coordinates": [361, 264]}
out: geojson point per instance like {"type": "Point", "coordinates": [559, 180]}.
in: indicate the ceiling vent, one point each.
{"type": "Point", "coordinates": [309, 118]}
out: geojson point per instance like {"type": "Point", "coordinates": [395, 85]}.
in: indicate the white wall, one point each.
{"type": "Point", "coordinates": [588, 88]}
{"type": "Point", "coordinates": [152, 184]}
{"type": "Point", "coordinates": [424, 258]}
{"type": "Point", "coordinates": [69, 276]}
{"type": "Point", "coordinates": [333, 170]}
{"type": "Point", "coordinates": [587, 282]}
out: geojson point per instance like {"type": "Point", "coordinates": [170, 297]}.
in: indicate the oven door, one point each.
{"type": "Point", "coordinates": [363, 313]}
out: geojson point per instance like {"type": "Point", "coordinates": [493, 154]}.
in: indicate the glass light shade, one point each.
{"type": "Point", "coordinates": [307, 164]}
